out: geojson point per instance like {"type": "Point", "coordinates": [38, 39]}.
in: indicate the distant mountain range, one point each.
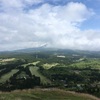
{"type": "Point", "coordinates": [54, 50]}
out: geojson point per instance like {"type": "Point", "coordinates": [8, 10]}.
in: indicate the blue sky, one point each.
{"type": "Point", "coordinates": [93, 4]}
{"type": "Point", "coordinates": [70, 24]}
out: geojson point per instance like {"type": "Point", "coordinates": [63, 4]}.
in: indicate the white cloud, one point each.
{"type": "Point", "coordinates": [30, 2]}
{"type": "Point", "coordinates": [11, 6]}
{"type": "Point", "coordinates": [17, 5]}
{"type": "Point", "coordinates": [58, 26]}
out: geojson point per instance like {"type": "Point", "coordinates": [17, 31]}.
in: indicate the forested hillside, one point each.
{"type": "Point", "coordinates": [73, 71]}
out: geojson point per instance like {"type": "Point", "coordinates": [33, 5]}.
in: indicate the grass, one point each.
{"type": "Point", "coordinates": [7, 75]}
{"type": "Point", "coordinates": [44, 94]}
{"type": "Point", "coordinates": [34, 71]}
{"type": "Point", "coordinates": [93, 63]}
{"type": "Point", "coordinates": [7, 60]}
{"type": "Point", "coordinates": [22, 74]}
{"type": "Point", "coordinates": [33, 63]}
{"type": "Point", "coordinates": [48, 66]}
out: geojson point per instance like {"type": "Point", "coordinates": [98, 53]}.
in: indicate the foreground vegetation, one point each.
{"type": "Point", "coordinates": [45, 94]}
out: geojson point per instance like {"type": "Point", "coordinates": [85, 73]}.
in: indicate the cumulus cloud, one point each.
{"type": "Point", "coordinates": [57, 26]}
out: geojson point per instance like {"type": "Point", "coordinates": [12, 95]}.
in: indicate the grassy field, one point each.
{"type": "Point", "coordinates": [33, 63]}
{"type": "Point", "coordinates": [93, 63]}
{"type": "Point", "coordinates": [22, 74]}
{"type": "Point", "coordinates": [8, 75]}
{"type": "Point", "coordinates": [48, 66]}
{"type": "Point", "coordinates": [45, 94]}
{"type": "Point", "coordinates": [34, 71]}
{"type": "Point", "coordinates": [6, 61]}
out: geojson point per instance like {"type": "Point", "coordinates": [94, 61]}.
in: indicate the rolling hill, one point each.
{"type": "Point", "coordinates": [45, 94]}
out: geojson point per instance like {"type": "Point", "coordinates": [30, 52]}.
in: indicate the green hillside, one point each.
{"type": "Point", "coordinates": [34, 71]}
{"type": "Point", "coordinates": [73, 72]}
{"type": "Point", "coordinates": [45, 94]}
{"type": "Point", "coordinates": [6, 77]}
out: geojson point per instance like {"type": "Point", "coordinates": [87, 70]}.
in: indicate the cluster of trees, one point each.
{"type": "Point", "coordinates": [15, 82]}
{"type": "Point", "coordinates": [77, 79]}
{"type": "Point", "coordinates": [8, 67]}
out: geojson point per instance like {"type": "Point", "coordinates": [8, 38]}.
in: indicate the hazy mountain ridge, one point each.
{"type": "Point", "coordinates": [54, 50]}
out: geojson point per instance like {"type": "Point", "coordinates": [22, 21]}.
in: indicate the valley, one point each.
{"type": "Point", "coordinates": [67, 70]}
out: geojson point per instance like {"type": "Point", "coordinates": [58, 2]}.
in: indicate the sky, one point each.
{"type": "Point", "coordinates": [64, 24]}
